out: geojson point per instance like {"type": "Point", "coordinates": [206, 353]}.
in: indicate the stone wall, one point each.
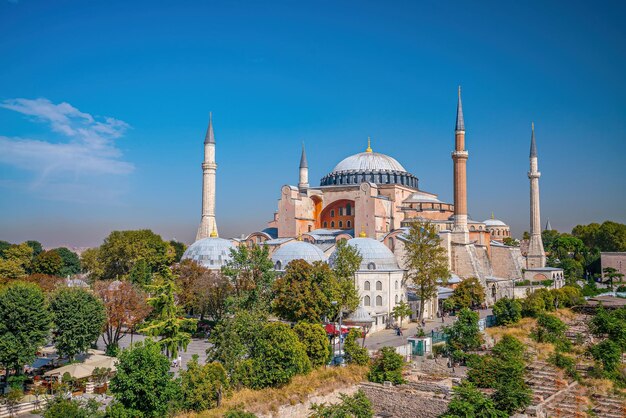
{"type": "Point", "coordinates": [405, 401]}
{"type": "Point", "coordinates": [303, 410]}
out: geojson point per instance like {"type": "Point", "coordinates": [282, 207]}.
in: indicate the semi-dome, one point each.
{"type": "Point", "coordinates": [371, 167]}
{"type": "Point", "coordinates": [296, 250]}
{"type": "Point", "coordinates": [376, 256]}
{"type": "Point", "coordinates": [494, 222]}
{"type": "Point", "coordinates": [212, 253]}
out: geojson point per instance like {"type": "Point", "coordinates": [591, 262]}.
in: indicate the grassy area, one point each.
{"type": "Point", "coordinates": [318, 382]}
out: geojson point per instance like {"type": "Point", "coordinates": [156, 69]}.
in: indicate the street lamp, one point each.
{"type": "Point", "coordinates": [335, 303]}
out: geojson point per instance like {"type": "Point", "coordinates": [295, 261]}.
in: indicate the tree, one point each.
{"type": "Point", "coordinates": [355, 406]}
{"type": "Point", "coordinates": [549, 329]}
{"type": "Point", "coordinates": [125, 306]}
{"type": "Point", "coordinates": [426, 261]}
{"type": "Point", "coordinates": [277, 356]}
{"type": "Point", "coordinates": [179, 250]}
{"type": "Point", "coordinates": [464, 335]}
{"type": "Point", "coordinates": [468, 401]}
{"type": "Point", "coordinates": [346, 262]}
{"type": "Point", "coordinates": [143, 383]}
{"type": "Point", "coordinates": [202, 386]}
{"type": "Point", "coordinates": [612, 274]}
{"type": "Point", "coordinates": [3, 246]}
{"type": "Point", "coordinates": [608, 353]}
{"type": "Point", "coordinates": [24, 324]}
{"type": "Point", "coordinates": [175, 332]}
{"type": "Point", "coordinates": [15, 261]}
{"type": "Point", "coordinates": [90, 263]}
{"type": "Point", "coordinates": [36, 247]}
{"type": "Point", "coordinates": [46, 283]}
{"type": "Point", "coordinates": [610, 324]}
{"type": "Point", "coordinates": [71, 262]}
{"type": "Point", "coordinates": [401, 310]}
{"type": "Point", "coordinates": [470, 293]}
{"type": "Point", "coordinates": [61, 407]}
{"type": "Point", "coordinates": [78, 317]}
{"type": "Point", "coordinates": [354, 353]}
{"type": "Point", "coordinates": [48, 262]}
{"type": "Point", "coordinates": [121, 250]}
{"type": "Point", "coordinates": [507, 311]}
{"type": "Point", "coordinates": [251, 273]}
{"type": "Point", "coordinates": [315, 341]}
{"type": "Point", "coordinates": [305, 292]}
{"type": "Point", "coordinates": [140, 274]}
{"type": "Point", "coordinates": [511, 242]}
{"type": "Point", "coordinates": [387, 367]}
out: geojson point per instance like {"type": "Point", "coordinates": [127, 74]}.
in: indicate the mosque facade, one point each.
{"type": "Point", "coordinates": [370, 199]}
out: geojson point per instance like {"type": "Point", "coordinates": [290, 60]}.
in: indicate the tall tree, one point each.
{"type": "Point", "coordinates": [79, 317]}
{"type": "Point", "coordinates": [166, 323]}
{"type": "Point", "coordinates": [24, 324]}
{"type": "Point", "coordinates": [36, 246]}
{"type": "Point", "coordinates": [48, 262]}
{"type": "Point", "coordinates": [15, 261]}
{"type": "Point", "coordinates": [251, 273]}
{"type": "Point", "coordinates": [126, 307]}
{"type": "Point", "coordinates": [426, 261]}
{"type": "Point", "coordinates": [315, 341]}
{"type": "Point", "coordinates": [470, 293]}
{"type": "Point", "coordinates": [203, 385]}
{"type": "Point", "coordinates": [611, 275]}
{"type": "Point", "coordinates": [71, 261]}
{"type": "Point", "coordinates": [345, 265]}
{"type": "Point", "coordinates": [464, 334]}
{"type": "Point", "coordinates": [91, 264]}
{"type": "Point", "coordinates": [179, 250]}
{"type": "Point", "coordinates": [401, 310]}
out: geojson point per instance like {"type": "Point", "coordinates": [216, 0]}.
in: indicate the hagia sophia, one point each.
{"type": "Point", "coordinates": [369, 199]}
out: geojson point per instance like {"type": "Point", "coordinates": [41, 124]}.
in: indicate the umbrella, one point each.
{"type": "Point", "coordinates": [105, 363]}
{"type": "Point", "coordinates": [76, 370]}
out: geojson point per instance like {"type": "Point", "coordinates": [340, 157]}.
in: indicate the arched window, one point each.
{"type": "Point", "coordinates": [472, 228]}
{"type": "Point", "coordinates": [348, 224]}
{"type": "Point", "coordinates": [340, 211]}
{"type": "Point", "coordinates": [366, 301]}
{"type": "Point", "coordinates": [332, 224]}
{"type": "Point", "coordinates": [340, 224]}
{"type": "Point", "coordinates": [391, 244]}
{"type": "Point", "coordinates": [325, 224]}
{"type": "Point", "coordinates": [371, 266]}
{"type": "Point", "coordinates": [379, 285]}
{"type": "Point", "coordinates": [309, 228]}
{"type": "Point", "coordinates": [396, 285]}
{"type": "Point", "coordinates": [379, 301]}
{"type": "Point", "coordinates": [332, 213]}
{"type": "Point", "coordinates": [396, 299]}
{"type": "Point", "coordinates": [366, 285]}
{"type": "Point", "coordinates": [278, 265]}
{"type": "Point", "coordinates": [348, 207]}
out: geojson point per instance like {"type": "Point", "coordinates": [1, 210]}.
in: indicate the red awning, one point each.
{"type": "Point", "coordinates": [331, 329]}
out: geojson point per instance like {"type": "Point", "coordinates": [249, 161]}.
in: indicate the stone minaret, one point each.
{"type": "Point", "coordinates": [536, 257]}
{"type": "Point", "coordinates": [460, 233]}
{"type": "Point", "coordinates": [303, 184]}
{"type": "Point", "coordinates": [208, 226]}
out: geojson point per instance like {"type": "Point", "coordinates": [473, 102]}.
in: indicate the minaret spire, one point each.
{"type": "Point", "coordinates": [303, 184]}
{"type": "Point", "coordinates": [460, 123]}
{"type": "Point", "coordinates": [533, 144]}
{"type": "Point", "coordinates": [536, 256]}
{"type": "Point", "coordinates": [208, 225]}
{"type": "Point", "coordinates": [460, 232]}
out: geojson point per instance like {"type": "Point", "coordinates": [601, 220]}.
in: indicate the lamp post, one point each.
{"type": "Point", "coordinates": [334, 303]}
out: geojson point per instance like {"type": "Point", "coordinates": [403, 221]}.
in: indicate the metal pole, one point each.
{"type": "Point", "coordinates": [340, 330]}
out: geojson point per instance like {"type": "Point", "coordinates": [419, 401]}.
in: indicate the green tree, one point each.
{"type": "Point", "coordinates": [91, 264]}
{"type": "Point", "coordinates": [464, 335]}
{"type": "Point", "coordinates": [238, 413]}
{"type": "Point", "coordinates": [549, 329]}
{"type": "Point", "coordinates": [36, 246]}
{"type": "Point", "coordinates": [3, 246]}
{"type": "Point", "coordinates": [387, 367]}
{"type": "Point", "coordinates": [611, 274]}
{"type": "Point", "coordinates": [608, 353]}
{"type": "Point", "coordinates": [507, 311]}
{"type": "Point", "coordinates": [251, 273]}
{"type": "Point", "coordinates": [61, 407]}
{"type": "Point", "coordinates": [426, 261]}
{"type": "Point", "coordinates": [277, 356]}
{"type": "Point", "coordinates": [202, 386]}
{"type": "Point", "coordinates": [610, 325]}
{"type": "Point", "coordinates": [469, 402]}
{"type": "Point", "coordinates": [48, 262]}
{"type": "Point", "coordinates": [179, 250]}
{"type": "Point", "coordinates": [315, 341]}
{"type": "Point", "coordinates": [401, 310]}
{"type": "Point", "coordinates": [15, 261]}
{"type": "Point", "coordinates": [71, 262]}
{"type": "Point", "coordinates": [468, 294]}
{"type": "Point", "coordinates": [354, 353]}
{"type": "Point", "coordinates": [355, 406]}
{"type": "Point", "coordinates": [140, 274]}
{"type": "Point", "coordinates": [24, 324]}
{"type": "Point", "coordinates": [346, 262]}
{"type": "Point", "coordinates": [166, 322]}
{"type": "Point", "coordinates": [143, 383]}
{"type": "Point", "coordinates": [79, 318]}
{"type": "Point", "coordinates": [533, 305]}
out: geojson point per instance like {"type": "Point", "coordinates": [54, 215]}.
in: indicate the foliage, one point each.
{"type": "Point", "coordinates": [355, 406]}
{"type": "Point", "coordinates": [468, 294]}
{"type": "Point", "coordinates": [179, 250]}
{"type": "Point", "coordinates": [90, 263]}
{"type": "Point", "coordinates": [511, 242]}
{"type": "Point", "coordinates": [426, 261]}
{"type": "Point", "coordinates": [140, 274]}
{"type": "Point", "coordinates": [78, 318]}
{"type": "Point", "coordinates": [125, 307]}
{"type": "Point", "coordinates": [277, 356]}
{"type": "Point", "coordinates": [251, 273]}
{"type": "Point", "coordinates": [71, 261]}
{"type": "Point", "coordinates": [48, 262]}
{"type": "Point", "coordinates": [387, 366]}
{"type": "Point", "coordinates": [608, 237]}
{"type": "Point", "coordinates": [345, 264]}
{"type": "Point", "coordinates": [61, 407]}
{"type": "Point", "coordinates": [143, 382]}
{"type": "Point", "coordinates": [610, 324]}
{"type": "Point", "coordinates": [24, 324]}
{"type": "Point", "coordinates": [354, 353]}
{"type": "Point", "coordinates": [315, 341]}
{"type": "Point", "coordinates": [469, 402]}
{"type": "Point", "coordinates": [564, 362]}
{"type": "Point", "coordinates": [464, 334]}
{"type": "Point", "coordinates": [610, 274]}
{"type": "Point", "coordinates": [15, 261]}
{"type": "Point", "coordinates": [200, 290]}
{"type": "Point", "coordinates": [507, 311]}
{"type": "Point", "coordinates": [549, 329]}
{"type": "Point", "coordinates": [202, 386]}
{"type": "Point", "coordinates": [237, 413]}
{"type": "Point", "coordinates": [401, 310]}
{"type": "Point", "coordinates": [35, 246]}
{"type": "Point", "coordinates": [166, 322]}
{"type": "Point", "coordinates": [608, 353]}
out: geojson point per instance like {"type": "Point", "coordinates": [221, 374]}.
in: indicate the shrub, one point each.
{"type": "Point", "coordinates": [202, 385]}
{"type": "Point", "coordinates": [355, 406]}
{"type": "Point", "coordinates": [507, 311]}
{"type": "Point", "coordinates": [464, 335]}
{"type": "Point", "coordinates": [468, 401]}
{"type": "Point", "coordinates": [566, 363]}
{"type": "Point", "coordinates": [387, 367]}
{"type": "Point", "coordinates": [549, 329]}
{"type": "Point", "coordinates": [354, 353]}
{"type": "Point", "coordinates": [237, 413]}
{"type": "Point", "coordinates": [315, 341]}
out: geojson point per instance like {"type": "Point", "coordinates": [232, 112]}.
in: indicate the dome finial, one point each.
{"type": "Point", "coordinates": [299, 238]}
{"type": "Point", "coordinates": [213, 233]}
{"type": "Point", "coordinates": [369, 145]}
{"type": "Point", "coordinates": [492, 217]}
{"type": "Point", "coordinates": [362, 234]}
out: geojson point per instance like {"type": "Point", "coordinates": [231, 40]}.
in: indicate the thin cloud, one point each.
{"type": "Point", "coordinates": [86, 149]}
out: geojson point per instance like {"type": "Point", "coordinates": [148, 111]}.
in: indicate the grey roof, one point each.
{"type": "Point", "coordinates": [209, 138]}
{"type": "Point", "coordinates": [360, 316]}
{"type": "Point", "coordinates": [548, 226]}
{"type": "Point", "coordinates": [533, 145]}
{"type": "Point", "coordinates": [296, 250]}
{"type": "Point", "coordinates": [368, 161]}
{"type": "Point", "coordinates": [375, 254]}
{"type": "Point", "coordinates": [272, 232]}
{"type": "Point", "coordinates": [277, 241]}
{"type": "Point", "coordinates": [460, 123]}
{"type": "Point", "coordinates": [303, 162]}
{"type": "Point", "coordinates": [212, 253]}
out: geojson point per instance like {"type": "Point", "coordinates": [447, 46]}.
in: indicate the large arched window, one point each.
{"type": "Point", "coordinates": [379, 301]}
{"type": "Point", "coordinates": [379, 285]}
{"type": "Point", "coordinates": [366, 301]}
{"type": "Point", "coordinates": [371, 266]}
{"type": "Point", "coordinates": [348, 209]}
{"type": "Point", "coordinates": [366, 285]}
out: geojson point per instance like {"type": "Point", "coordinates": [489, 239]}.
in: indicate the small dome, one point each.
{"type": "Point", "coordinates": [212, 253]}
{"type": "Point", "coordinates": [368, 161]}
{"type": "Point", "coordinates": [296, 250]}
{"type": "Point", "coordinates": [494, 222]}
{"type": "Point", "coordinates": [376, 256]}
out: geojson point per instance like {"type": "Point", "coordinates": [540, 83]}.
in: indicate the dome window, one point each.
{"type": "Point", "coordinates": [278, 265]}
{"type": "Point", "coordinates": [372, 266]}
{"type": "Point", "coordinates": [379, 284]}
{"type": "Point", "coordinates": [332, 213]}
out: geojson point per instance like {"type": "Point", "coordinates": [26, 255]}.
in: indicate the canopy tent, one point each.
{"type": "Point", "coordinates": [105, 363]}
{"type": "Point", "coordinates": [76, 370]}
{"type": "Point", "coordinates": [331, 329]}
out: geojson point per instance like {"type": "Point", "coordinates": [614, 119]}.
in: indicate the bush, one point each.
{"type": "Point", "coordinates": [354, 353]}
{"type": "Point", "coordinates": [608, 353]}
{"type": "Point", "coordinates": [566, 363]}
{"type": "Point", "coordinates": [507, 311]}
{"type": "Point", "coordinates": [315, 341]}
{"type": "Point", "coordinates": [439, 349]}
{"type": "Point", "coordinates": [202, 386]}
{"type": "Point", "coordinates": [355, 406]}
{"type": "Point", "coordinates": [468, 401]}
{"type": "Point", "coordinates": [550, 329]}
{"type": "Point", "coordinates": [237, 413]}
{"type": "Point", "coordinates": [387, 367]}
{"type": "Point", "coordinates": [464, 334]}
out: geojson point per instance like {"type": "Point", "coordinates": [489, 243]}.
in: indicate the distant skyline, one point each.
{"type": "Point", "coordinates": [104, 107]}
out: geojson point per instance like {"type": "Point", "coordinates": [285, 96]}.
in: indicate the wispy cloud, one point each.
{"type": "Point", "coordinates": [86, 149]}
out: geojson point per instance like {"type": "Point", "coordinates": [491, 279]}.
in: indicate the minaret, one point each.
{"type": "Point", "coordinates": [208, 226]}
{"type": "Point", "coordinates": [536, 257]}
{"type": "Point", "coordinates": [460, 233]}
{"type": "Point", "coordinates": [303, 184]}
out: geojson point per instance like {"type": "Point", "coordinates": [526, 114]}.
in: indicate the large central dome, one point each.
{"type": "Point", "coordinates": [371, 167]}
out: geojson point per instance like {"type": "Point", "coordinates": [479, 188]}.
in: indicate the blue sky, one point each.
{"type": "Point", "coordinates": [104, 105]}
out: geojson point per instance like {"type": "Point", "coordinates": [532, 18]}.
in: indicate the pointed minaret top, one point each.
{"type": "Point", "coordinates": [210, 138]}
{"type": "Point", "coordinates": [492, 217]}
{"type": "Point", "coordinates": [533, 145]}
{"type": "Point", "coordinates": [369, 145]}
{"type": "Point", "coordinates": [303, 162]}
{"type": "Point", "coordinates": [460, 123]}
{"type": "Point", "coordinates": [548, 226]}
